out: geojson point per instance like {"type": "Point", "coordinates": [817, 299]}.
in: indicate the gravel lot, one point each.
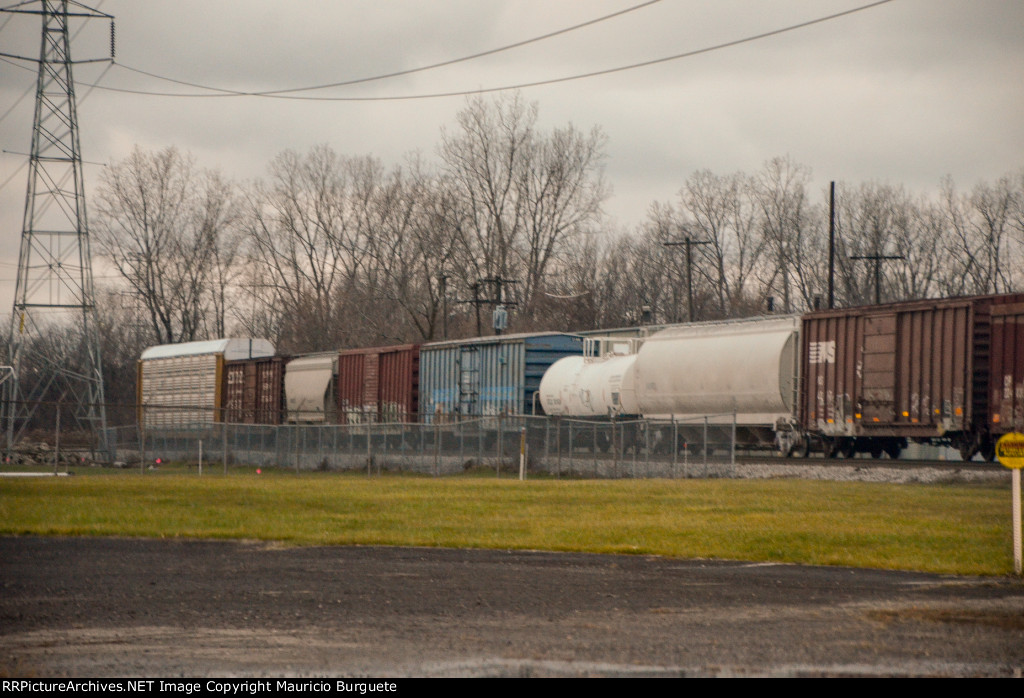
{"type": "Point", "coordinates": [143, 608]}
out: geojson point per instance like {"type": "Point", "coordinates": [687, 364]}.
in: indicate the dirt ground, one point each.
{"type": "Point", "coordinates": [143, 608]}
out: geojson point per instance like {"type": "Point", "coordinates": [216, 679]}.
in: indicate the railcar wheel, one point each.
{"type": "Point", "coordinates": [968, 449]}
{"type": "Point", "coordinates": [894, 449]}
{"type": "Point", "coordinates": [801, 449]}
{"type": "Point", "coordinates": [848, 448]}
{"type": "Point", "coordinates": [876, 451]}
{"type": "Point", "coordinates": [988, 451]}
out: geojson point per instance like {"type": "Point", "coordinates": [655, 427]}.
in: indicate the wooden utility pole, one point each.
{"type": "Point", "coordinates": [877, 259]}
{"type": "Point", "coordinates": [832, 245]}
{"type": "Point", "coordinates": [689, 243]}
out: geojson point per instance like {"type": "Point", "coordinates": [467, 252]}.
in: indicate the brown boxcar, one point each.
{"type": "Point", "coordinates": [379, 384]}
{"type": "Point", "coordinates": [254, 391]}
{"type": "Point", "coordinates": [1006, 405]}
{"type": "Point", "coordinates": [874, 377]}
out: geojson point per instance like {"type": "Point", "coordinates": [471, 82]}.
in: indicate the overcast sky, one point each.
{"type": "Point", "coordinates": [905, 93]}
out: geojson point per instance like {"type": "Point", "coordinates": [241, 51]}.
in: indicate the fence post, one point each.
{"type": "Point", "coordinates": [142, 443]}
{"type": "Point", "coordinates": [647, 455]}
{"type": "Point", "coordinates": [546, 458]}
{"type": "Point", "coordinates": [686, 458]}
{"type": "Point", "coordinates": [224, 433]}
{"type": "Point", "coordinates": [437, 450]}
{"type": "Point", "coordinates": [56, 442]}
{"type": "Point", "coordinates": [369, 452]}
{"type": "Point", "coordinates": [501, 446]}
{"type": "Point", "coordinates": [675, 447]}
{"type": "Point", "coordinates": [615, 451]}
{"type": "Point", "coordinates": [570, 447]}
{"type": "Point", "coordinates": [705, 445]}
{"type": "Point", "coordinates": [522, 454]}
{"type": "Point", "coordinates": [636, 443]}
{"type": "Point", "coordinates": [558, 445]}
{"type": "Point", "coordinates": [732, 458]}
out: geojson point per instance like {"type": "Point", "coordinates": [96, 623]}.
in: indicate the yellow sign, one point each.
{"type": "Point", "coordinates": [1010, 450]}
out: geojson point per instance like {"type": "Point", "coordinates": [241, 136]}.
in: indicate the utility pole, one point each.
{"type": "Point", "coordinates": [831, 245]}
{"type": "Point", "coordinates": [442, 279]}
{"type": "Point", "coordinates": [689, 269]}
{"type": "Point", "coordinates": [54, 288]}
{"type": "Point", "coordinates": [877, 259]}
{"type": "Point", "coordinates": [494, 297]}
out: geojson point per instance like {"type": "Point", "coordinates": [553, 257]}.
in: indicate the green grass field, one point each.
{"type": "Point", "coordinates": [958, 529]}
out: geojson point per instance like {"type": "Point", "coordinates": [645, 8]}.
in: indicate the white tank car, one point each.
{"type": "Point", "coordinates": [745, 367]}
{"type": "Point", "coordinates": [597, 384]}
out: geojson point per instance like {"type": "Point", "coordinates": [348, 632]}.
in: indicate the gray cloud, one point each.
{"type": "Point", "coordinates": [905, 93]}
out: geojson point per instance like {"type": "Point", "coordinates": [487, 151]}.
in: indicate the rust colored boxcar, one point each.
{"type": "Point", "coordinates": [1006, 405]}
{"type": "Point", "coordinates": [379, 384]}
{"type": "Point", "coordinates": [873, 377]}
{"type": "Point", "coordinates": [254, 390]}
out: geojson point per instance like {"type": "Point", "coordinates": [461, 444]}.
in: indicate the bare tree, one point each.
{"type": "Point", "coordinates": [723, 212]}
{"type": "Point", "coordinates": [220, 222]}
{"type": "Point", "coordinates": [524, 194]}
{"type": "Point", "coordinates": [124, 334]}
{"type": "Point", "coordinates": [992, 209]}
{"type": "Point", "coordinates": [160, 223]}
{"type": "Point", "coordinates": [307, 243]}
{"type": "Point", "coordinates": [794, 268]}
{"type": "Point", "coordinates": [418, 246]}
{"type": "Point", "coordinates": [922, 240]}
{"type": "Point", "coordinates": [871, 220]}
{"type": "Point", "coordinates": [978, 226]}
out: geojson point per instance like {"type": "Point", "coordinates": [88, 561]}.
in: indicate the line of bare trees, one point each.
{"type": "Point", "coordinates": [328, 250]}
{"type": "Point", "coordinates": [766, 240]}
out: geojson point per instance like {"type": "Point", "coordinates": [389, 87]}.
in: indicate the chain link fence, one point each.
{"type": "Point", "coordinates": [703, 447]}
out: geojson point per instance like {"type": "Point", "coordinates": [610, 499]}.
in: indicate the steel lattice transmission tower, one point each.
{"type": "Point", "coordinates": [54, 339]}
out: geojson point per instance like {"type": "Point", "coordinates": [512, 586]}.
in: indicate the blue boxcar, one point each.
{"type": "Point", "coordinates": [488, 376]}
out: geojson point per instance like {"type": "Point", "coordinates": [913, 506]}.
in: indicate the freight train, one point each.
{"type": "Point", "coordinates": [868, 379]}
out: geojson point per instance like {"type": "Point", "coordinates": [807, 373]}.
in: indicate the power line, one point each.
{"type": "Point", "coordinates": [26, 93]}
{"type": "Point", "coordinates": [356, 81]}
{"type": "Point", "coordinates": [502, 88]}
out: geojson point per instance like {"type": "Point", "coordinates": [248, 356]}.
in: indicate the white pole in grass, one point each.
{"type": "Point", "coordinates": [1016, 521]}
{"type": "Point", "coordinates": [200, 456]}
{"type": "Point", "coordinates": [1010, 452]}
